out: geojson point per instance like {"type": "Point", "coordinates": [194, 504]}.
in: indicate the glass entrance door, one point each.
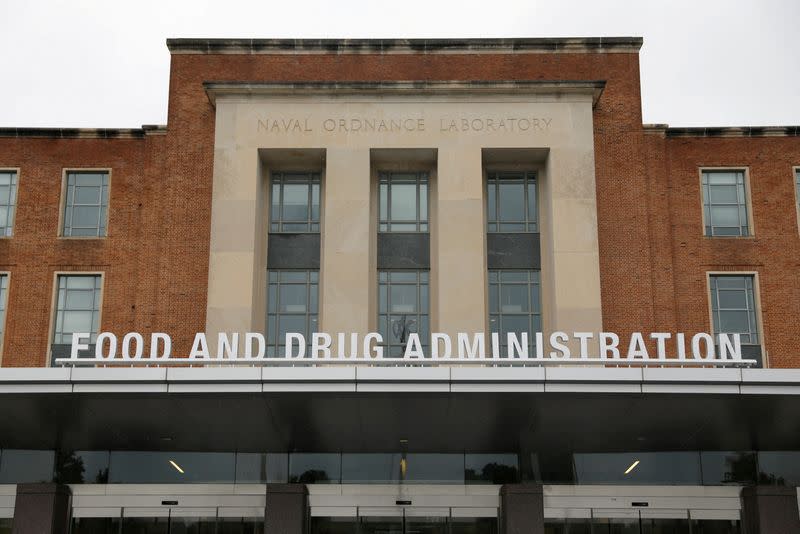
{"type": "Point", "coordinates": [407, 521]}
{"type": "Point", "coordinates": [636, 523]}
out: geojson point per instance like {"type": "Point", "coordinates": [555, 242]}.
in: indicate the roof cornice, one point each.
{"type": "Point", "coordinates": [405, 88]}
{"type": "Point", "coordinates": [723, 131]}
{"type": "Point", "coordinates": [86, 133]}
{"type": "Point", "coordinates": [549, 45]}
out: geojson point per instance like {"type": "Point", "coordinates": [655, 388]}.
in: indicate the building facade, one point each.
{"type": "Point", "coordinates": [387, 193]}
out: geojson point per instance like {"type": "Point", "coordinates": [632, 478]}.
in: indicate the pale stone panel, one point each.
{"type": "Point", "coordinates": [346, 260]}
{"type": "Point", "coordinates": [461, 252]}
{"type": "Point", "coordinates": [458, 128]}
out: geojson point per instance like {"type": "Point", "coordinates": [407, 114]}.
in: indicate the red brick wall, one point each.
{"type": "Point", "coordinates": [653, 257]}
{"type": "Point", "coordinates": [773, 251]}
{"type": "Point", "coordinates": [35, 253]}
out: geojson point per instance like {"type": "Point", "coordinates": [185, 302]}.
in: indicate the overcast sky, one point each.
{"type": "Point", "coordinates": [104, 63]}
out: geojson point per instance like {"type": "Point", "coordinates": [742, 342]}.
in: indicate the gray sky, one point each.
{"type": "Point", "coordinates": [103, 63]}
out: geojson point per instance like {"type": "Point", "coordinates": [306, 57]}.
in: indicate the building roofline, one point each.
{"type": "Point", "coordinates": [723, 131]}
{"type": "Point", "coordinates": [405, 46]}
{"type": "Point", "coordinates": [405, 88]}
{"type": "Point", "coordinates": [86, 133]}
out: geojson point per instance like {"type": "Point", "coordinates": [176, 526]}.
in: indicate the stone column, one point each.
{"type": "Point", "coordinates": [236, 275]}
{"type": "Point", "coordinates": [570, 246]}
{"type": "Point", "coordinates": [770, 510]}
{"type": "Point", "coordinates": [286, 509]}
{"type": "Point", "coordinates": [521, 509]}
{"type": "Point", "coordinates": [347, 284]}
{"type": "Point", "coordinates": [42, 509]}
{"type": "Point", "coordinates": [458, 251]}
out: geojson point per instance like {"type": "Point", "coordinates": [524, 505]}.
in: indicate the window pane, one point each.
{"type": "Point", "coordinates": [403, 298]}
{"type": "Point", "coordinates": [721, 177]}
{"type": "Point", "coordinates": [295, 202]}
{"type": "Point", "coordinates": [293, 298]}
{"type": "Point", "coordinates": [512, 202]}
{"type": "Point", "coordinates": [723, 194]}
{"type": "Point", "coordinates": [725, 216]}
{"type": "Point", "coordinates": [89, 179]}
{"type": "Point", "coordinates": [514, 298]}
{"type": "Point", "coordinates": [733, 321]}
{"type": "Point", "coordinates": [80, 300]}
{"type": "Point", "coordinates": [87, 195]}
{"type": "Point", "coordinates": [732, 299]}
{"type": "Point", "coordinates": [77, 321]}
{"type": "Point", "coordinates": [404, 202]}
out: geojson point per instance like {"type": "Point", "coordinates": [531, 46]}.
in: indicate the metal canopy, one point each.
{"type": "Point", "coordinates": [371, 410]}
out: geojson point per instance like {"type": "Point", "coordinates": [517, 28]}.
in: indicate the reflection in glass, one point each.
{"type": "Point", "coordinates": [403, 309]}
{"type": "Point", "coordinates": [146, 467]}
{"type": "Point", "coordinates": [370, 468]}
{"type": "Point", "coordinates": [779, 468]}
{"type": "Point", "coordinates": [251, 468]}
{"type": "Point", "coordinates": [314, 468]}
{"type": "Point", "coordinates": [435, 468]}
{"type": "Point", "coordinates": [491, 468]}
{"type": "Point", "coordinates": [19, 466]}
{"type": "Point", "coordinates": [728, 467]}
{"type": "Point", "coordinates": [652, 468]}
{"type": "Point", "coordinates": [82, 467]}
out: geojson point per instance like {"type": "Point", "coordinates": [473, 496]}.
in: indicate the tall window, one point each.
{"type": "Point", "coordinates": [725, 203]}
{"type": "Point", "coordinates": [3, 298]}
{"type": "Point", "coordinates": [403, 309]}
{"type": "Point", "coordinates": [403, 202]}
{"type": "Point", "coordinates": [8, 201]}
{"type": "Point", "coordinates": [511, 202]}
{"type": "Point", "coordinates": [292, 307]}
{"type": "Point", "coordinates": [86, 206]}
{"type": "Point", "coordinates": [295, 202]}
{"type": "Point", "coordinates": [515, 305]}
{"type": "Point", "coordinates": [733, 307]}
{"type": "Point", "coordinates": [77, 307]}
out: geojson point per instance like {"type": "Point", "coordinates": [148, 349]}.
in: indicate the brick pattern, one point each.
{"type": "Point", "coordinates": [653, 256]}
